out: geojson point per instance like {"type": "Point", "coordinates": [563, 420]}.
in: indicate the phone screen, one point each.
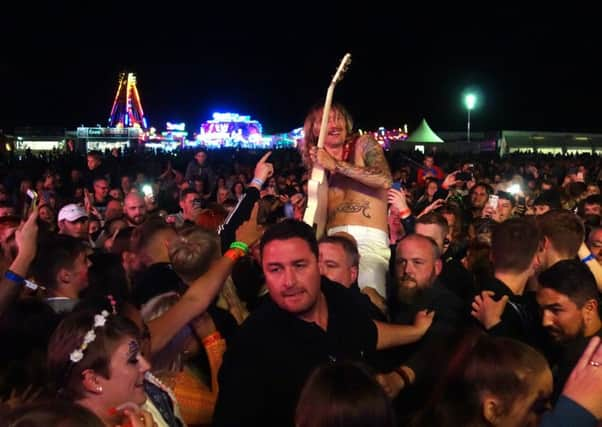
{"type": "Point", "coordinates": [397, 185]}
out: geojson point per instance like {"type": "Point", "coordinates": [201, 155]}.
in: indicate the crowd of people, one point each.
{"type": "Point", "coordinates": [153, 289]}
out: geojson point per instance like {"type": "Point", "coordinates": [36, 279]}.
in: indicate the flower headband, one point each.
{"type": "Point", "coordinates": [99, 321]}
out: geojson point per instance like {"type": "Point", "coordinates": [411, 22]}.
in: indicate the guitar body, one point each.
{"type": "Point", "coordinates": [316, 212]}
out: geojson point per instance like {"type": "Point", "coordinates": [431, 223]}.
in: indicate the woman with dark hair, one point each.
{"type": "Point", "coordinates": [431, 186]}
{"type": "Point", "coordinates": [490, 382]}
{"type": "Point", "coordinates": [48, 216]}
{"type": "Point", "coordinates": [343, 394]}
{"type": "Point", "coordinates": [238, 189]}
{"type": "Point", "coordinates": [94, 360]}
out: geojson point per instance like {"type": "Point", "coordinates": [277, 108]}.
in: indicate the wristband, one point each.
{"type": "Point", "coordinates": [588, 258]}
{"type": "Point", "coordinates": [258, 182]}
{"type": "Point", "coordinates": [234, 254]}
{"type": "Point", "coordinates": [14, 277]}
{"type": "Point", "coordinates": [240, 245]}
{"type": "Point", "coordinates": [405, 213]}
{"type": "Point", "coordinates": [211, 339]}
{"type": "Point", "coordinates": [404, 376]}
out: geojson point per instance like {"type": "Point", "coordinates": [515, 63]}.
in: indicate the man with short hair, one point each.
{"type": "Point", "coordinates": [308, 321]}
{"type": "Point", "coordinates": [101, 191]}
{"type": "Point", "coordinates": [594, 243]}
{"type": "Point", "coordinates": [562, 233]}
{"type": "Point", "coordinates": [96, 168]}
{"type": "Point", "coordinates": [100, 197]}
{"type": "Point", "coordinates": [453, 274]}
{"type": "Point", "coordinates": [134, 209]}
{"type": "Point", "coordinates": [569, 301]}
{"type": "Point", "coordinates": [546, 201]}
{"type": "Point", "coordinates": [339, 259]}
{"type": "Point", "coordinates": [150, 244]}
{"type": "Point", "coordinates": [429, 170]}
{"type": "Point", "coordinates": [73, 221]}
{"type": "Point", "coordinates": [592, 205]}
{"type": "Point", "coordinates": [198, 167]}
{"type": "Point", "coordinates": [189, 203]}
{"type": "Point", "coordinates": [505, 307]}
{"type": "Point", "coordinates": [222, 195]}
{"type": "Point", "coordinates": [61, 265]}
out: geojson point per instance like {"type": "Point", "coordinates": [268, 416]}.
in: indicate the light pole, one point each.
{"type": "Point", "coordinates": [469, 100]}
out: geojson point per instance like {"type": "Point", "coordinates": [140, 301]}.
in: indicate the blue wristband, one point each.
{"type": "Point", "coordinates": [11, 275]}
{"type": "Point", "coordinates": [257, 181]}
{"type": "Point", "coordinates": [588, 258]}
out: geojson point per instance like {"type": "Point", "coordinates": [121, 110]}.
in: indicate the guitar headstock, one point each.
{"type": "Point", "coordinates": [338, 76]}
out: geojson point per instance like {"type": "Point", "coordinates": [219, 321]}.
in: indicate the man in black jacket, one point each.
{"type": "Point", "coordinates": [198, 167]}
{"type": "Point", "coordinates": [417, 267]}
{"type": "Point", "coordinates": [505, 307]}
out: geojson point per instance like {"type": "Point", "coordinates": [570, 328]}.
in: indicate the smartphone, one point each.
{"type": "Point", "coordinates": [493, 199]}
{"type": "Point", "coordinates": [34, 198]}
{"type": "Point", "coordinates": [397, 185]}
{"type": "Point", "coordinates": [147, 190]}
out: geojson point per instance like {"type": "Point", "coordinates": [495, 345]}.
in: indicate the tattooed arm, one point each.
{"type": "Point", "coordinates": [375, 173]}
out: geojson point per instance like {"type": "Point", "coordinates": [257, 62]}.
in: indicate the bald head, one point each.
{"type": "Point", "coordinates": [134, 209]}
{"type": "Point", "coordinates": [417, 265]}
{"type": "Point", "coordinates": [426, 243]}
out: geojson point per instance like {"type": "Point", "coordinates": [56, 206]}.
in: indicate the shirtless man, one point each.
{"type": "Point", "coordinates": [359, 178]}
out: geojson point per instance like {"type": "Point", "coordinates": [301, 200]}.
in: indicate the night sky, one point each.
{"type": "Point", "coordinates": [533, 72]}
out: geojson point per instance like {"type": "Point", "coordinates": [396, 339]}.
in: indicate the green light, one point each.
{"type": "Point", "coordinates": [470, 100]}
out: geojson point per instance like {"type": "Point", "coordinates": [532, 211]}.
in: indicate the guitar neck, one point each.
{"type": "Point", "coordinates": [325, 114]}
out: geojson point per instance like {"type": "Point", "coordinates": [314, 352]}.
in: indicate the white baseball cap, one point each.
{"type": "Point", "coordinates": [72, 212]}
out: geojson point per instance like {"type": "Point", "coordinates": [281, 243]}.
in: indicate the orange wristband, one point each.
{"type": "Point", "coordinates": [405, 213]}
{"type": "Point", "coordinates": [234, 254]}
{"type": "Point", "coordinates": [212, 339]}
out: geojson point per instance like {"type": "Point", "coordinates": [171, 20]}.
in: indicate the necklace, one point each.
{"type": "Point", "coordinates": [153, 379]}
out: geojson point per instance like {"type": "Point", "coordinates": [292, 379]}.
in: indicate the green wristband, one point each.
{"type": "Point", "coordinates": [240, 245]}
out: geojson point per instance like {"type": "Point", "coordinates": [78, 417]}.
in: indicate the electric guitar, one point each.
{"type": "Point", "coordinates": [316, 211]}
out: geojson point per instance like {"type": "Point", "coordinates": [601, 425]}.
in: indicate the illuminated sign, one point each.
{"type": "Point", "coordinates": [231, 130]}
{"type": "Point", "coordinates": [116, 132]}
{"type": "Point", "coordinates": [230, 117]}
{"type": "Point", "coordinates": [176, 126]}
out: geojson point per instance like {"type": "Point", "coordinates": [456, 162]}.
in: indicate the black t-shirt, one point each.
{"type": "Point", "coordinates": [568, 356]}
{"type": "Point", "coordinates": [274, 352]}
{"type": "Point", "coordinates": [520, 319]}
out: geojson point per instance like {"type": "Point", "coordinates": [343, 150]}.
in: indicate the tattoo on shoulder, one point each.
{"type": "Point", "coordinates": [355, 207]}
{"type": "Point", "coordinates": [373, 154]}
